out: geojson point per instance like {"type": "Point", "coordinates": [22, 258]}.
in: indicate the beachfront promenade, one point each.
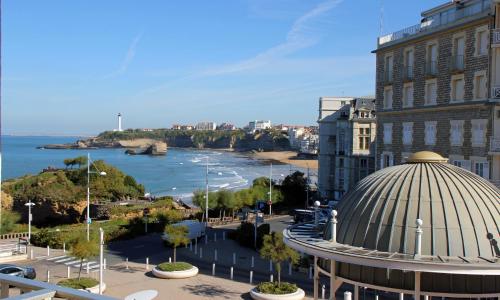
{"type": "Point", "coordinates": [124, 278]}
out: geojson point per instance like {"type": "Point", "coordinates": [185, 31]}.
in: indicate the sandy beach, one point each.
{"type": "Point", "coordinates": [286, 157]}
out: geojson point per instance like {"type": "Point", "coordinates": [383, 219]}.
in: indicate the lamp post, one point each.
{"type": "Point", "coordinates": [101, 259]}
{"type": "Point", "coordinates": [30, 218]}
{"type": "Point", "coordinates": [206, 196]}
{"type": "Point", "coordinates": [88, 192]}
{"type": "Point", "coordinates": [270, 190]}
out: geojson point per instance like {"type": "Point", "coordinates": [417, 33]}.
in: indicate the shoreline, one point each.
{"type": "Point", "coordinates": [285, 157]}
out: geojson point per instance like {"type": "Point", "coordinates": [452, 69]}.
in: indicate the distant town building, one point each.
{"type": "Point", "coordinates": [438, 88]}
{"type": "Point", "coordinates": [347, 131]}
{"type": "Point", "coordinates": [309, 144]}
{"type": "Point", "coordinates": [226, 126]}
{"type": "Point", "coordinates": [206, 126]}
{"type": "Point", "coordinates": [258, 125]}
{"type": "Point", "coordinates": [182, 127]}
{"type": "Point", "coordinates": [295, 135]}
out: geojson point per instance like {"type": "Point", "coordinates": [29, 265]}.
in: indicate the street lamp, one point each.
{"type": "Point", "coordinates": [88, 192]}
{"type": "Point", "coordinates": [30, 218]}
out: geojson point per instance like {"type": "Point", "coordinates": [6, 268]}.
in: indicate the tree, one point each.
{"type": "Point", "coordinates": [177, 235]}
{"type": "Point", "coordinates": [69, 162]}
{"type": "Point", "coordinates": [80, 161]}
{"type": "Point", "coordinates": [277, 251]}
{"type": "Point", "coordinates": [84, 249]}
{"type": "Point", "coordinates": [294, 188]}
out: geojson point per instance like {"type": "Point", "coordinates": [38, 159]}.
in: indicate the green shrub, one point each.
{"type": "Point", "coordinates": [46, 237]}
{"type": "Point", "coordinates": [177, 266]}
{"type": "Point", "coordinates": [276, 289]}
{"type": "Point", "coordinates": [82, 283]}
{"type": "Point", "coordinates": [245, 234]}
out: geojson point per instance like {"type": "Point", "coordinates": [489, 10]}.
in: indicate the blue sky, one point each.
{"type": "Point", "coordinates": [68, 67]}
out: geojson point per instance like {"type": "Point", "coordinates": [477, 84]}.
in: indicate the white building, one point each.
{"type": "Point", "coordinates": [347, 130]}
{"type": "Point", "coordinates": [206, 126]}
{"type": "Point", "coordinates": [309, 144]}
{"type": "Point", "coordinates": [258, 125]}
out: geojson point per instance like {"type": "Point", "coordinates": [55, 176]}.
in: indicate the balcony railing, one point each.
{"type": "Point", "coordinates": [408, 73]}
{"type": "Point", "coordinates": [436, 21]}
{"type": "Point", "coordinates": [495, 145]}
{"type": "Point", "coordinates": [457, 63]}
{"type": "Point", "coordinates": [431, 68]}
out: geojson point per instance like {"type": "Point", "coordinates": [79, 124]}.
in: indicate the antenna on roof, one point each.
{"type": "Point", "coordinates": [381, 20]}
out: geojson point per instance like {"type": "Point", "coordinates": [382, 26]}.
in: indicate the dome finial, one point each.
{"type": "Point", "coordinates": [426, 157]}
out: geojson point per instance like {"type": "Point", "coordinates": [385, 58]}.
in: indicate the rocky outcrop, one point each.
{"type": "Point", "coordinates": [157, 148]}
{"type": "Point", "coordinates": [51, 213]}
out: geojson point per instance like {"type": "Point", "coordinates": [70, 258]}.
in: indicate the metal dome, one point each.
{"type": "Point", "coordinates": [460, 210]}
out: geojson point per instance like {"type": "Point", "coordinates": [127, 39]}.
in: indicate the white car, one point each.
{"type": "Point", "coordinates": [196, 229]}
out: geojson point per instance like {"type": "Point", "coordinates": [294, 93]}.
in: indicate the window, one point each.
{"type": "Point", "coordinates": [407, 133]}
{"type": "Point", "coordinates": [431, 63]}
{"type": "Point", "coordinates": [482, 168]}
{"type": "Point", "coordinates": [389, 63]}
{"type": "Point", "coordinates": [430, 92]}
{"type": "Point", "coordinates": [482, 39]}
{"type": "Point", "coordinates": [478, 132]}
{"type": "Point", "coordinates": [459, 51]}
{"type": "Point", "coordinates": [456, 132]}
{"type": "Point", "coordinates": [388, 98]}
{"type": "Point", "coordinates": [388, 133]}
{"type": "Point", "coordinates": [458, 163]}
{"type": "Point", "coordinates": [408, 95]}
{"type": "Point", "coordinates": [457, 88]}
{"type": "Point", "coordinates": [430, 133]}
{"type": "Point", "coordinates": [387, 160]}
{"type": "Point", "coordinates": [480, 88]}
{"type": "Point", "coordinates": [408, 70]}
{"type": "Point", "coordinates": [363, 163]}
{"type": "Point", "coordinates": [364, 138]}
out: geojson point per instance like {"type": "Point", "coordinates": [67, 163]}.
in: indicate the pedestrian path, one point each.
{"type": "Point", "coordinates": [74, 262]}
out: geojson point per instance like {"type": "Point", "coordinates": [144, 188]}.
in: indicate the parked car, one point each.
{"type": "Point", "coordinates": [21, 271]}
{"type": "Point", "coordinates": [303, 215]}
{"type": "Point", "coordinates": [196, 229]}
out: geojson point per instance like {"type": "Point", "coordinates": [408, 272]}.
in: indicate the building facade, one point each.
{"type": "Point", "coordinates": [435, 88]}
{"type": "Point", "coordinates": [347, 132]}
{"type": "Point", "coordinates": [258, 125]}
{"type": "Point", "coordinates": [206, 126]}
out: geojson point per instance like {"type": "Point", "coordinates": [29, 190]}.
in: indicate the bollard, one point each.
{"type": "Point", "coordinates": [215, 255]}
{"type": "Point", "coordinates": [147, 263]}
{"type": "Point", "coordinates": [64, 248]}
{"type": "Point", "coordinates": [251, 277]}
{"type": "Point", "coordinates": [48, 250]}
{"type": "Point", "coordinates": [87, 267]}
{"type": "Point", "coordinates": [231, 273]}
{"type": "Point", "coordinates": [104, 264]}
{"type": "Point", "coordinates": [195, 250]}
{"type": "Point", "coordinates": [223, 235]}
{"type": "Point", "coordinates": [347, 295]}
{"type": "Point", "coordinates": [253, 262]}
{"type": "Point", "coordinates": [48, 276]}
{"type": "Point", "coordinates": [323, 291]}
{"type": "Point", "coordinates": [310, 272]}
{"type": "Point", "coordinates": [271, 279]}
{"type": "Point", "coordinates": [376, 297]}
{"type": "Point", "coordinates": [190, 246]}
{"type": "Point", "coordinates": [270, 266]}
{"type": "Point", "coordinates": [186, 246]}
{"type": "Point", "coordinates": [170, 260]}
{"type": "Point", "coordinates": [234, 258]}
{"type": "Point", "coordinates": [215, 236]}
{"type": "Point", "coordinates": [69, 272]}
{"type": "Point", "coordinates": [201, 252]}
{"type": "Point", "coordinates": [213, 269]}
{"type": "Point", "coordinates": [126, 263]}
{"type": "Point", "coordinates": [289, 268]}
{"type": "Point", "coordinates": [31, 254]}
{"type": "Point", "coordinates": [206, 239]}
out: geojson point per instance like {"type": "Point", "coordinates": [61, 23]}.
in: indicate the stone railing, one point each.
{"type": "Point", "coordinates": [495, 145]}
{"type": "Point", "coordinates": [15, 235]}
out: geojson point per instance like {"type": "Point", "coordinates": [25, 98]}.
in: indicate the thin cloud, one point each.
{"type": "Point", "coordinates": [303, 34]}
{"type": "Point", "coordinates": [129, 57]}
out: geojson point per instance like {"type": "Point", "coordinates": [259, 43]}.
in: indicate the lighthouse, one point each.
{"type": "Point", "coordinates": [120, 122]}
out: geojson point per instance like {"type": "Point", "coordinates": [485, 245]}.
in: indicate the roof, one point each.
{"type": "Point", "coordinates": [377, 218]}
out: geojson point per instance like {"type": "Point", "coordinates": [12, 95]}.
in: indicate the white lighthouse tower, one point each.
{"type": "Point", "coordinates": [120, 122]}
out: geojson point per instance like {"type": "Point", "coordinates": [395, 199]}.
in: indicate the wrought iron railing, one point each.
{"type": "Point", "coordinates": [457, 63]}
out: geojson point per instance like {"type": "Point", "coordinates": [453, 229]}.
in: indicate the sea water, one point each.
{"type": "Point", "coordinates": [178, 174]}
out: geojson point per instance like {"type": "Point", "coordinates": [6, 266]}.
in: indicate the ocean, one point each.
{"type": "Point", "coordinates": [178, 174]}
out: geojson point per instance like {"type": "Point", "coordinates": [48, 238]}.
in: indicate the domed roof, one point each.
{"type": "Point", "coordinates": [460, 210]}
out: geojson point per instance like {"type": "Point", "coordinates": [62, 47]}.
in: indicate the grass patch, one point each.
{"type": "Point", "coordinates": [275, 289]}
{"type": "Point", "coordinates": [83, 283]}
{"type": "Point", "coordinates": [177, 266]}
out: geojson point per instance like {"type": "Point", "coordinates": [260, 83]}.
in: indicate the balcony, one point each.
{"type": "Point", "coordinates": [431, 69]}
{"type": "Point", "coordinates": [495, 146]}
{"type": "Point", "coordinates": [439, 21]}
{"type": "Point", "coordinates": [408, 73]}
{"type": "Point", "coordinates": [457, 63]}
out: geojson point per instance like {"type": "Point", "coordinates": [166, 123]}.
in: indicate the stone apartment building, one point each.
{"type": "Point", "coordinates": [438, 88]}
{"type": "Point", "coordinates": [347, 128]}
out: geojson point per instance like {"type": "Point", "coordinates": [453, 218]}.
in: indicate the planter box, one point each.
{"type": "Point", "coordinates": [95, 289]}
{"type": "Point", "coordinates": [175, 274]}
{"type": "Point", "coordinates": [298, 295]}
